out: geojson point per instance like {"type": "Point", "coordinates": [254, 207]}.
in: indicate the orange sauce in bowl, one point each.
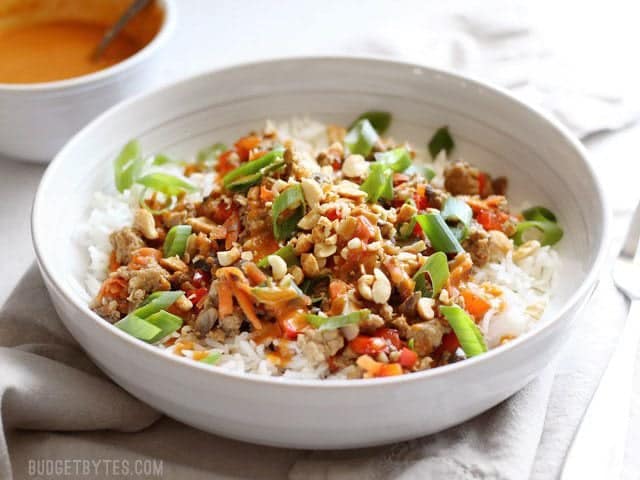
{"type": "Point", "coordinates": [57, 50]}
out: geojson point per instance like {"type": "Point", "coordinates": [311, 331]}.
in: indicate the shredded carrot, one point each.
{"type": "Point", "coordinates": [475, 304]}
{"type": "Point", "coordinates": [244, 300]}
{"type": "Point", "coordinates": [225, 299]}
{"type": "Point", "coordinates": [266, 195]}
{"type": "Point", "coordinates": [337, 288]}
{"type": "Point", "coordinates": [245, 145]}
{"type": "Point", "coordinates": [191, 168]}
{"type": "Point", "coordinates": [233, 274]}
{"type": "Point", "coordinates": [143, 257]}
{"type": "Point", "coordinates": [113, 263]}
{"type": "Point", "coordinates": [115, 288]}
{"type": "Point", "coordinates": [389, 370]}
{"type": "Point", "coordinates": [232, 224]}
{"type": "Point", "coordinates": [255, 275]}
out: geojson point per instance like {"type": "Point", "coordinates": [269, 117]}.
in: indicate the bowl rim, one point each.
{"type": "Point", "coordinates": [166, 29]}
{"type": "Point", "coordinates": [589, 281]}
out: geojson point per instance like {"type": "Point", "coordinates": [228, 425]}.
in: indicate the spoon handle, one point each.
{"type": "Point", "coordinates": [117, 27]}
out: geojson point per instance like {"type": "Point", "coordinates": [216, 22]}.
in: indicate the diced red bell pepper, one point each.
{"type": "Point", "coordinates": [389, 334]}
{"type": "Point", "coordinates": [363, 345]}
{"type": "Point", "coordinates": [196, 295]}
{"type": "Point", "coordinates": [333, 367]}
{"type": "Point", "coordinates": [224, 165]}
{"type": "Point", "coordinates": [450, 342]}
{"type": "Point", "coordinates": [332, 214]}
{"type": "Point", "coordinates": [408, 358]}
{"type": "Point", "coordinates": [201, 279]}
{"type": "Point", "coordinates": [491, 219]}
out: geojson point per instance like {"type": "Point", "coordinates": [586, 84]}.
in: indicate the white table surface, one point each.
{"type": "Point", "coordinates": [208, 36]}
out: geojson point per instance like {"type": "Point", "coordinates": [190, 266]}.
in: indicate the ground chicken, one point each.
{"type": "Point", "coordinates": [151, 279]}
{"type": "Point", "coordinates": [124, 243]}
{"type": "Point", "coordinates": [477, 244]}
{"type": "Point", "coordinates": [461, 178]}
{"type": "Point", "coordinates": [427, 336]}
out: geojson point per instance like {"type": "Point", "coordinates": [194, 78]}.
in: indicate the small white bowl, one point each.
{"type": "Point", "coordinates": [36, 119]}
{"type": "Point", "coordinates": [545, 164]}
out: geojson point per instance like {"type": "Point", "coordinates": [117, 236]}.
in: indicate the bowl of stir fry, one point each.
{"type": "Point", "coordinates": [301, 251]}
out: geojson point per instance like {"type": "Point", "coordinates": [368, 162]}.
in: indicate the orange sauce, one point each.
{"type": "Point", "coordinates": [282, 355]}
{"type": "Point", "coordinates": [56, 50]}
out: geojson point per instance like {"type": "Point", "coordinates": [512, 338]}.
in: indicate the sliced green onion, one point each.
{"type": "Point", "coordinates": [547, 233]}
{"type": "Point", "coordinates": [379, 120]}
{"type": "Point", "coordinates": [287, 253]}
{"type": "Point", "coordinates": [128, 165]}
{"type": "Point", "coordinates": [441, 140]}
{"type": "Point", "coordinates": [251, 172]}
{"type": "Point", "coordinates": [361, 138]}
{"type": "Point", "coordinates": [161, 159]}
{"type": "Point", "coordinates": [138, 327]}
{"type": "Point", "coordinates": [397, 159]}
{"type": "Point", "coordinates": [155, 302]}
{"type": "Point", "coordinates": [166, 322]}
{"type": "Point", "coordinates": [211, 153]}
{"type": "Point", "coordinates": [426, 172]}
{"type": "Point", "coordinates": [291, 199]}
{"type": "Point", "coordinates": [378, 183]}
{"type": "Point", "coordinates": [243, 183]}
{"type": "Point", "coordinates": [411, 343]}
{"type": "Point", "coordinates": [166, 184]}
{"type": "Point", "coordinates": [468, 333]}
{"type": "Point", "coordinates": [539, 214]}
{"type": "Point", "coordinates": [173, 201]}
{"type": "Point", "coordinates": [331, 323]}
{"type": "Point", "coordinates": [310, 284]}
{"type": "Point", "coordinates": [406, 229]}
{"type": "Point", "coordinates": [438, 232]}
{"type": "Point", "coordinates": [212, 358]}
{"type": "Point", "coordinates": [437, 268]}
{"type": "Point", "coordinates": [456, 210]}
{"type": "Point", "coordinates": [176, 241]}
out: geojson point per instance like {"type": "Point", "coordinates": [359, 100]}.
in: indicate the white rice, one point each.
{"type": "Point", "coordinates": [526, 284]}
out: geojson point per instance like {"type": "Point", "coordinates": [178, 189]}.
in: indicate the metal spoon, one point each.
{"type": "Point", "coordinates": [117, 27]}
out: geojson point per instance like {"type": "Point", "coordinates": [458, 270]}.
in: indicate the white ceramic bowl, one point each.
{"type": "Point", "coordinates": [36, 119]}
{"type": "Point", "coordinates": [544, 164]}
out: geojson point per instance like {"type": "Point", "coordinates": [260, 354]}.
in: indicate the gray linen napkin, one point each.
{"type": "Point", "coordinates": [47, 382]}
